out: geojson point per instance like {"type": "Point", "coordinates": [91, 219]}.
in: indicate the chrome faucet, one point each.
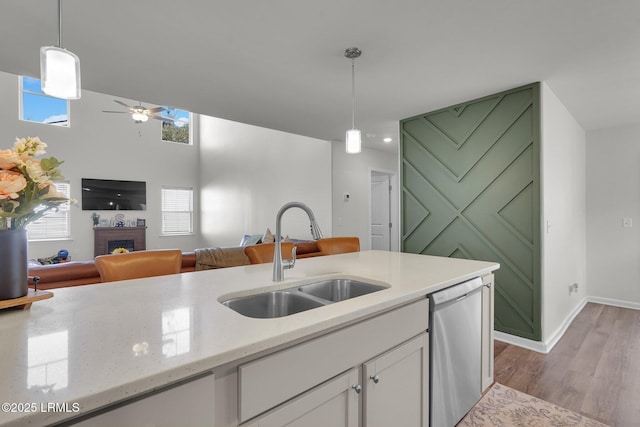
{"type": "Point", "coordinates": [279, 265]}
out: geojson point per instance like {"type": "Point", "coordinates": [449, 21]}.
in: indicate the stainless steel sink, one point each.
{"type": "Point", "coordinates": [272, 304]}
{"type": "Point", "coordinates": [280, 303]}
{"type": "Point", "coordinates": [339, 289]}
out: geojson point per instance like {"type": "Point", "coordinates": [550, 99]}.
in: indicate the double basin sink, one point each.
{"type": "Point", "coordinates": [283, 302]}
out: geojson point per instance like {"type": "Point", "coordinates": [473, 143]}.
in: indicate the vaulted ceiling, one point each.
{"type": "Point", "coordinates": [279, 64]}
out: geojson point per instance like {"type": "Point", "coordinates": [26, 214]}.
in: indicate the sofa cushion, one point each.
{"type": "Point", "coordinates": [251, 239]}
{"type": "Point", "coordinates": [66, 274]}
{"type": "Point", "coordinates": [306, 247]}
{"type": "Point", "coordinates": [188, 261]}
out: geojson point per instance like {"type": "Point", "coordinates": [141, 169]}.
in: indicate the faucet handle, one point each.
{"type": "Point", "coordinates": [290, 263]}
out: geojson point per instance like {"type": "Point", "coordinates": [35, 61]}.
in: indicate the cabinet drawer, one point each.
{"type": "Point", "coordinates": [192, 401]}
{"type": "Point", "coordinates": [274, 379]}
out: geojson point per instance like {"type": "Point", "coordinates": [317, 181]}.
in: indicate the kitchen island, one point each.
{"type": "Point", "coordinates": [115, 345]}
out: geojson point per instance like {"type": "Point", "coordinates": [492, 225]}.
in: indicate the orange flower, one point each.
{"type": "Point", "coordinates": [8, 159]}
{"type": "Point", "coordinates": [27, 191]}
{"type": "Point", "coordinates": [10, 184]}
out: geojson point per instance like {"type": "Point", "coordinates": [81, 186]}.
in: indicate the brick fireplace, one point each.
{"type": "Point", "coordinates": [106, 239]}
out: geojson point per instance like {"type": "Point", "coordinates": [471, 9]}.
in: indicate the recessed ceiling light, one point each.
{"type": "Point", "coordinates": [388, 140]}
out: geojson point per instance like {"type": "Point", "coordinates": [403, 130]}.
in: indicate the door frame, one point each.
{"type": "Point", "coordinates": [394, 208]}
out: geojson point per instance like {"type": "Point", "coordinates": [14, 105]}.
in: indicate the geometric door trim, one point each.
{"type": "Point", "coordinates": [470, 178]}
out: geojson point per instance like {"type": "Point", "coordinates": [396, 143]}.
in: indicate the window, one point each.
{"type": "Point", "coordinates": [178, 129]}
{"type": "Point", "coordinates": [55, 224]}
{"type": "Point", "coordinates": [177, 210]}
{"type": "Point", "coordinates": [40, 108]}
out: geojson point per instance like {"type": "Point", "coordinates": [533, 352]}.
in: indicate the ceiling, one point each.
{"type": "Point", "coordinates": [280, 64]}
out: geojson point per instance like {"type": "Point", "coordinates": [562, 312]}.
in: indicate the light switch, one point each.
{"type": "Point", "coordinates": [627, 222]}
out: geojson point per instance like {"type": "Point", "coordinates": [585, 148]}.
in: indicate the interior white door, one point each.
{"type": "Point", "coordinates": [380, 212]}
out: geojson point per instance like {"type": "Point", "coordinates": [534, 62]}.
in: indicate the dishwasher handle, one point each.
{"type": "Point", "coordinates": [455, 292]}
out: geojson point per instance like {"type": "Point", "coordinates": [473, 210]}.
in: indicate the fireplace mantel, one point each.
{"type": "Point", "coordinates": [102, 236]}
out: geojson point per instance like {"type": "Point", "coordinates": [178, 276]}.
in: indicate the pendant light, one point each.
{"type": "Point", "coordinates": [59, 68]}
{"type": "Point", "coordinates": [353, 138]}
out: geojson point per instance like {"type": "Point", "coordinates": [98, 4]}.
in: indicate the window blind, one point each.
{"type": "Point", "coordinates": [177, 210]}
{"type": "Point", "coordinates": [56, 223]}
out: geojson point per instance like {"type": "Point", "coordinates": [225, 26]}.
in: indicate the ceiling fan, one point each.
{"type": "Point", "coordinates": [141, 114]}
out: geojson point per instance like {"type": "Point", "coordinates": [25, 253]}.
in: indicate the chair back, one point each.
{"type": "Point", "coordinates": [263, 253]}
{"type": "Point", "coordinates": [338, 245]}
{"type": "Point", "coordinates": [136, 265]}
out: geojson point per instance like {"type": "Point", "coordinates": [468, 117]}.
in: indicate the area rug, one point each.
{"type": "Point", "coordinates": [505, 407]}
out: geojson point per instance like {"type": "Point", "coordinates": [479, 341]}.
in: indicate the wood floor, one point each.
{"type": "Point", "coordinates": [593, 370]}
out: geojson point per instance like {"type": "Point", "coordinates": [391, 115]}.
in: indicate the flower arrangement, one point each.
{"type": "Point", "coordinates": [27, 191]}
{"type": "Point", "coordinates": [119, 251]}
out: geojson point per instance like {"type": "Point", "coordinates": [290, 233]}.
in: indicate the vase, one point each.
{"type": "Point", "coordinates": [13, 259]}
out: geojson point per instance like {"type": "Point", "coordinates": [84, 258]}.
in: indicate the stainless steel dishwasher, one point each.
{"type": "Point", "coordinates": [455, 336]}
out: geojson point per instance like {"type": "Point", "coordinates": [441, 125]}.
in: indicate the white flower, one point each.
{"type": "Point", "coordinates": [35, 171]}
{"type": "Point", "coordinates": [29, 146]}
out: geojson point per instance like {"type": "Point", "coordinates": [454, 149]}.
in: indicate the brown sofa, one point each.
{"type": "Point", "coordinates": [75, 273]}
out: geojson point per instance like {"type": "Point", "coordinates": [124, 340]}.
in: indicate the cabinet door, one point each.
{"type": "Point", "coordinates": [187, 404]}
{"type": "Point", "coordinates": [334, 403]}
{"type": "Point", "coordinates": [397, 386]}
{"type": "Point", "coordinates": [487, 332]}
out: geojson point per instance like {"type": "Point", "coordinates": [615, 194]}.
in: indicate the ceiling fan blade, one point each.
{"type": "Point", "coordinates": [163, 119]}
{"type": "Point", "coordinates": [123, 104]}
{"type": "Point", "coordinates": [155, 109]}
{"type": "Point", "coordinates": [119, 112]}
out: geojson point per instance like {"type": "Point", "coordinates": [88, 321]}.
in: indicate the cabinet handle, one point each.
{"type": "Point", "coordinates": [375, 378]}
{"type": "Point", "coordinates": [357, 388]}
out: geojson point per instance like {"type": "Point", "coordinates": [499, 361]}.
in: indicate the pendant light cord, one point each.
{"type": "Point", "coordinates": [60, 23]}
{"type": "Point", "coordinates": [353, 93]}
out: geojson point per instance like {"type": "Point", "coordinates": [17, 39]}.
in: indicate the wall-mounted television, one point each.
{"type": "Point", "coordinates": [113, 195]}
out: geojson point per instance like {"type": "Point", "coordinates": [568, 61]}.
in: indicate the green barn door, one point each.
{"type": "Point", "coordinates": [471, 189]}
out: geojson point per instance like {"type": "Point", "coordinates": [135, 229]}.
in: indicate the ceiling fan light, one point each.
{"type": "Point", "coordinates": [354, 141]}
{"type": "Point", "coordinates": [60, 72]}
{"type": "Point", "coordinates": [139, 116]}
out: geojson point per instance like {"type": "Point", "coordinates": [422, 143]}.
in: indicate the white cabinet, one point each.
{"type": "Point", "coordinates": [334, 403]}
{"type": "Point", "coordinates": [392, 387]}
{"type": "Point", "coordinates": [487, 331]}
{"type": "Point", "coordinates": [271, 380]}
{"type": "Point", "coordinates": [397, 386]}
{"type": "Point", "coordinates": [190, 404]}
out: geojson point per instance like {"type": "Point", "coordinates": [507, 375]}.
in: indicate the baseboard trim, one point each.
{"type": "Point", "coordinates": [546, 346]}
{"type": "Point", "coordinates": [614, 302]}
{"type": "Point", "coordinates": [537, 346]}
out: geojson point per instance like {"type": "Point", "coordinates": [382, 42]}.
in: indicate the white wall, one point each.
{"type": "Point", "coordinates": [110, 146]}
{"type": "Point", "coordinates": [564, 210]}
{"type": "Point", "coordinates": [248, 173]}
{"type": "Point", "coordinates": [352, 174]}
{"type": "Point", "coordinates": [613, 183]}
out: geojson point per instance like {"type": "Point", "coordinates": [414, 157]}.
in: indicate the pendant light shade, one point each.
{"type": "Point", "coordinates": [354, 141]}
{"type": "Point", "coordinates": [60, 72]}
{"type": "Point", "coordinates": [59, 68]}
{"type": "Point", "coordinates": [353, 138]}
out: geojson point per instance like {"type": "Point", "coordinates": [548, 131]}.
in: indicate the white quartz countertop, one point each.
{"type": "Point", "coordinates": [90, 346]}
